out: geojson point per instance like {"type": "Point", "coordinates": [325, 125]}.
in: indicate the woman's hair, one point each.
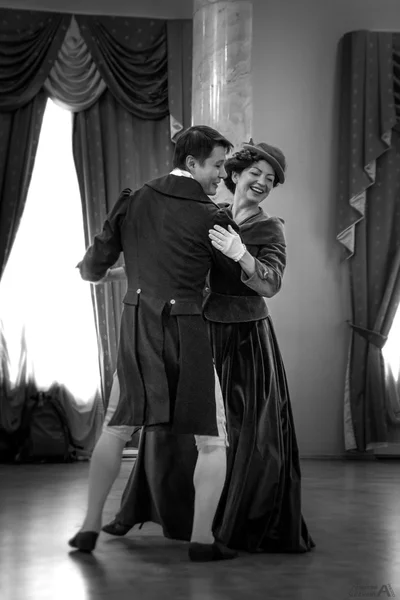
{"type": "Point", "coordinates": [198, 141]}
{"type": "Point", "coordinates": [245, 158]}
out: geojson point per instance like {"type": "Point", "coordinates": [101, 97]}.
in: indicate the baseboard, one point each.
{"type": "Point", "coordinates": [387, 457]}
{"type": "Point", "coordinates": [322, 457]}
{"type": "Point", "coordinates": [390, 451]}
{"type": "Point", "coordinates": [133, 452]}
{"type": "Point", "coordinates": [363, 456]}
{"type": "Point", "coordinates": [344, 456]}
{"type": "Point", "coordinates": [130, 453]}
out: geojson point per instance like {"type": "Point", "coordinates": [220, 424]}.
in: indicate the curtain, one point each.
{"type": "Point", "coordinates": [29, 46]}
{"type": "Point", "coordinates": [113, 150]}
{"type": "Point", "coordinates": [145, 63]}
{"type": "Point", "coordinates": [180, 53]}
{"type": "Point", "coordinates": [125, 138]}
{"type": "Point", "coordinates": [390, 314]}
{"type": "Point", "coordinates": [19, 137]}
{"type": "Point", "coordinates": [74, 82]}
{"type": "Point", "coordinates": [127, 81]}
{"type": "Point", "coordinates": [51, 351]}
{"type": "Point", "coordinates": [131, 55]}
{"type": "Point", "coordinates": [369, 225]}
{"type": "Point", "coordinates": [29, 43]}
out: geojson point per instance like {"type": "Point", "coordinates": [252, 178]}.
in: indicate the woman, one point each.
{"type": "Point", "coordinates": [260, 509]}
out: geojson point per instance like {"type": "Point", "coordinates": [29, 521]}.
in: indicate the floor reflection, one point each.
{"type": "Point", "coordinates": [352, 510]}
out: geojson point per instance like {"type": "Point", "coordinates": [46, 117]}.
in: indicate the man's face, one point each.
{"type": "Point", "coordinates": [210, 173]}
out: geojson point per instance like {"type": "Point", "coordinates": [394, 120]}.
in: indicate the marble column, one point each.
{"type": "Point", "coordinates": [222, 88]}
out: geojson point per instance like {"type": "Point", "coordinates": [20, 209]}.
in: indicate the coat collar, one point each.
{"type": "Point", "coordinates": [258, 229]}
{"type": "Point", "coordinates": [184, 188]}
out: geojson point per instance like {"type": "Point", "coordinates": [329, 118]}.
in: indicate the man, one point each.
{"type": "Point", "coordinates": [165, 367]}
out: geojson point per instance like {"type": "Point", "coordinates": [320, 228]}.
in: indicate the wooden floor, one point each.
{"type": "Point", "coordinates": [352, 510]}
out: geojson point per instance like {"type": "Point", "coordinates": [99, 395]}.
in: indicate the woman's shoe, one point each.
{"type": "Point", "coordinates": [210, 552]}
{"type": "Point", "coordinates": [84, 541]}
{"type": "Point", "coordinates": [116, 528]}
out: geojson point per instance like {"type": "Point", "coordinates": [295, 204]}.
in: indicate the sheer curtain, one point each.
{"type": "Point", "coordinates": [41, 291]}
{"type": "Point", "coordinates": [391, 350]}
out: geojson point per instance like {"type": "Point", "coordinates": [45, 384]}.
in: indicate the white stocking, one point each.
{"type": "Point", "coordinates": [105, 465]}
{"type": "Point", "coordinates": [209, 479]}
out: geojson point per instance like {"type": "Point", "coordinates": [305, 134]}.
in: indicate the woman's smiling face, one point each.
{"type": "Point", "coordinates": [254, 183]}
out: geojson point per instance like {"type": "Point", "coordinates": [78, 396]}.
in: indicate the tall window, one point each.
{"type": "Point", "coordinates": [391, 350]}
{"type": "Point", "coordinates": [41, 291]}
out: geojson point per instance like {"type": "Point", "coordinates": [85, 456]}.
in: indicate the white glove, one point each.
{"type": "Point", "coordinates": [227, 241]}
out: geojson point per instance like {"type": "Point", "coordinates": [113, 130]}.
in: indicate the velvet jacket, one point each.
{"type": "Point", "coordinates": [233, 297]}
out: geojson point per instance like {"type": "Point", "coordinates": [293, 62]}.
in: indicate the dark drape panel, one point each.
{"type": "Point", "coordinates": [396, 75]}
{"type": "Point", "coordinates": [369, 225]}
{"type": "Point", "coordinates": [367, 117]}
{"type": "Point", "coordinates": [180, 53]}
{"type": "Point", "coordinates": [29, 44]}
{"type": "Point", "coordinates": [114, 149]}
{"type": "Point", "coordinates": [373, 272]}
{"type": "Point", "coordinates": [19, 137]}
{"type": "Point", "coordinates": [131, 55]}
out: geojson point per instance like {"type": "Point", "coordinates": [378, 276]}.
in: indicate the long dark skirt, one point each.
{"type": "Point", "coordinates": [260, 508]}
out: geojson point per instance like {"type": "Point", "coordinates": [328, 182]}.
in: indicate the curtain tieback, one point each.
{"type": "Point", "coordinates": [373, 337]}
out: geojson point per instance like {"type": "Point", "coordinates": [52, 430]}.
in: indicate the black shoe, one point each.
{"type": "Point", "coordinates": [116, 528]}
{"type": "Point", "coordinates": [210, 552]}
{"type": "Point", "coordinates": [84, 541]}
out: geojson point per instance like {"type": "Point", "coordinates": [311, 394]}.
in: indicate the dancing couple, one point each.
{"type": "Point", "coordinates": [218, 462]}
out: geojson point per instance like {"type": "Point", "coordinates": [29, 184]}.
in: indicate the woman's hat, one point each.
{"type": "Point", "coordinates": [272, 155]}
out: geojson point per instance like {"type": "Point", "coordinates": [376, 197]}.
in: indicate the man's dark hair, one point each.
{"type": "Point", "coordinates": [198, 141]}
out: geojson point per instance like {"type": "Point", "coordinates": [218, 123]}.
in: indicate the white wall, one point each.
{"type": "Point", "coordinates": [295, 82]}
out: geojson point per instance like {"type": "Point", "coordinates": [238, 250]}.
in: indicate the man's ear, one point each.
{"type": "Point", "coordinates": [190, 163]}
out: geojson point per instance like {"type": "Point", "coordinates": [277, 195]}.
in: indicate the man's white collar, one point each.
{"type": "Point", "coordinates": [181, 173]}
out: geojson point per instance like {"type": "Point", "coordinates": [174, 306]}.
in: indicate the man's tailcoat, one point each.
{"type": "Point", "coordinates": [165, 365]}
